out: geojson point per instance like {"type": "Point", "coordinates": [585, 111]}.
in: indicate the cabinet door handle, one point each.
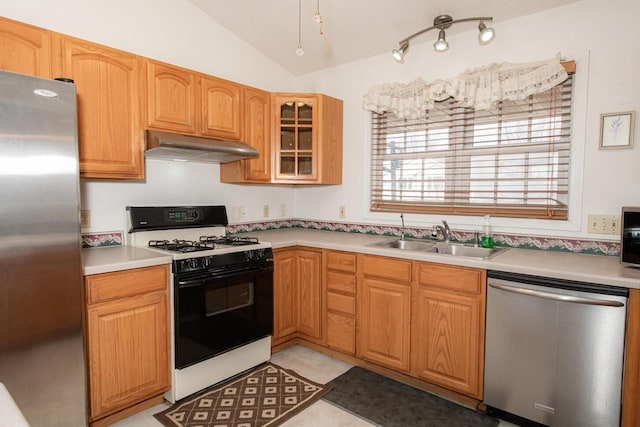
{"type": "Point", "coordinates": [557, 297]}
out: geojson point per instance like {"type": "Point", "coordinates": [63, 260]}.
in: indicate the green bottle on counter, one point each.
{"type": "Point", "coordinates": [487, 236]}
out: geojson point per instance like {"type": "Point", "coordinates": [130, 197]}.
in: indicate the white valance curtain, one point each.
{"type": "Point", "coordinates": [481, 88]}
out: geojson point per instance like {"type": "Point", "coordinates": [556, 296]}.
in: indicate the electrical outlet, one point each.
{"type": "Point", "coordinates": [283, 210]}
{"type": "Point", "coordinates": [239, 212]}
{"type": "Point", "coordinates": [265, 211]}
{"type": "Point", "coordinates": [85, 218]}
{"type": "Point", "coordinates": [342, 212]}
{"type": "Point", "coordinates": [603, 224]}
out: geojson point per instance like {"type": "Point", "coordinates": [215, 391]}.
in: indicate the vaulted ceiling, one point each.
{"type": "Point", "coordinates": [351, 29]}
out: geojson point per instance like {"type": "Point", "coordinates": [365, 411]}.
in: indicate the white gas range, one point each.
{"type": "Point", "coordinates": [222, 293]}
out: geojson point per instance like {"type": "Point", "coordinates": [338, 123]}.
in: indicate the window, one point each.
{"type": "Point", "coordinates": [511, 161]}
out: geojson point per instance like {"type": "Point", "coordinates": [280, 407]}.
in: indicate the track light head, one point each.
{"type": "Point", "coordinates": [398, 54]}
{"type": "Point", "coordinates": [486, 34]}
{"type": "Point", "coordinates": [443, 22]}
{"type": "Point", "coordinates": [441, 45]}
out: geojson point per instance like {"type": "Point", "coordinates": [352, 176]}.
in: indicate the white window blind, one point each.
{"type": "Point", "coordinates": [510, 161]}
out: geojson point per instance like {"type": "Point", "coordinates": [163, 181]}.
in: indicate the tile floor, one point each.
{"type": "Point", "coordinates": [308, 363]}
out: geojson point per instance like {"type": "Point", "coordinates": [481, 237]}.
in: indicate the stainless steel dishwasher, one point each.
{"type": "Point", "coordinates": [554, 351]}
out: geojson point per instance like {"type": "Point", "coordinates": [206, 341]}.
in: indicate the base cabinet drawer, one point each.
{"type": "Point", "coordinates": [341, 333]}
{"type": "Point", "coordinates": [344, 304]}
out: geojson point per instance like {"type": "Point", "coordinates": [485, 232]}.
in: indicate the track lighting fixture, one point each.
{"type": "Point", "coordinates": [441, 45]}
{"type": "Point", "coordinates": [486, 34]}
{"type": "Point", "coordinates": [317, 18]}
{"type": "Point", "coordinates": [442, 22]}
{"type": "Point", "coordinates": [398, 54]}
{"type": "Point", "coordinates": [299, 50]}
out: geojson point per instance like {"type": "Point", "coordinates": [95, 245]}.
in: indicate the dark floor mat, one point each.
{"type": "Point", "coordinates": [389, 403]}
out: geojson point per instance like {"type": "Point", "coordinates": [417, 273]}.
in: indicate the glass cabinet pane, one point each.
{"type": "Point", "coordinates": [305, 113]}
{"type": "Point", "coordinates": [296, 146]}
{"type": "Point", "coordinates": [287, 113]}
{"type": "Point", "coordinates": [287, 138]}
{"type": "Point", "coordinates": [305, 165]}
{"type": "Point", "coordinates": [304, 138]}
{"type": "Point", "coordinates": [287, 164]}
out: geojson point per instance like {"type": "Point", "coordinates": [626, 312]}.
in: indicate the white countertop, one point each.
{"type": "Point", "coordinates": [561, 265]}
{"type": "Point", "coordinates": [114, 258]}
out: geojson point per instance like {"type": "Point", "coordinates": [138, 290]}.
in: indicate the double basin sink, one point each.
{"type": "Point", "coordinates": [444, 248]}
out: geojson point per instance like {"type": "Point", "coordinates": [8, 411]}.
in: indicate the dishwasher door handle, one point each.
{"type": "Point", "coordinates": [557, 297]}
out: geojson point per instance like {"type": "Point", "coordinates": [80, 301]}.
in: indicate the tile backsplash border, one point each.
{"type": "Point", "coordinates": [560, 244]}
{"type": "Point", "coordinates": [102, 239]}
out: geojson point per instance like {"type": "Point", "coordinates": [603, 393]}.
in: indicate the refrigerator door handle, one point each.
{"type": "Point", "coordinates": [557, 297]}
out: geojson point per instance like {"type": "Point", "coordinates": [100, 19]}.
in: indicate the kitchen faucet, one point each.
{"type": "Point", "coordinates": [445, 230]}
{"type": "Point", "coordinates": [402, 230]}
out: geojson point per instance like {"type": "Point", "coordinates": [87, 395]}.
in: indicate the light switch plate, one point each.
{"type": "Point", "coordinates": [603, 224]}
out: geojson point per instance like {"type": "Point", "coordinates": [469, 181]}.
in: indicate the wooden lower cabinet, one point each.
{"type": "Point", "coordinates": [309, 294]}
{"type": "Point", "coordinates": [447, 339]}
{"type": "Point", "coordinates": [297, 295]}
{"type": "Point", "coordinates": [285, 306]}
{"type": "Point", "coordinates": [384, 307]}
{"type": "Point", "coordinates": [127, 339]}
{"type": "Point", "coordinates": [341, 284]}
{"type": "Point", "coordinates": [631, 386]}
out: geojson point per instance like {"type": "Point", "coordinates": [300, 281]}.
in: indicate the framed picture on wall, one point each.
{"type": "Point", "coordinates": [616, 130]}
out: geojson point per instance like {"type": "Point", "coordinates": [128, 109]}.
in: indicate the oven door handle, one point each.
{"type": "Point", "coordinates": [190, 283]}
{"type": "Point", "coordinates": [200, 281]}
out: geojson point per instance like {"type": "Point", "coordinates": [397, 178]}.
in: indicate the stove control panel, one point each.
{"type": "Point", "coordinates": [210, 262]}
{"type": "Point", "coordinates": [145, 218]}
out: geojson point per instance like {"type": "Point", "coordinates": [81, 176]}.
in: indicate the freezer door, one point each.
{"type": "Point", "coordinates": [555, 359]}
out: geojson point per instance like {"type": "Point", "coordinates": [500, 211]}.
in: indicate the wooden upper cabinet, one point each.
{"type": "Point", "coordinates": [188, 102]}
{"type": "Point", "coordinates": [296, 138]}
{"type": "Point", "coordinates": [307, 135]}
{"type": "Point", "coordinates": [171, 98]}
{"type": "Point", "coordinates": [25, 49]}
{"type": "Point", "coordinates": [221, 108]}
{"type": "Point", "coordinates": [257, 133]}
{"type": "Point", "coordinates": [108, 95]}
{"type": "Point", "coordinates": [305, 143]}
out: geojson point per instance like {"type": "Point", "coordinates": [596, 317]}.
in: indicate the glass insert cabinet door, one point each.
{"type": "Point", "coordinates": [296, 157]}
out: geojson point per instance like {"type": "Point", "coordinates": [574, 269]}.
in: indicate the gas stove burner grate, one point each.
{"type": "Point", "coordinates": [183, 246]}
{"type": "Point", "coordinates": [229, 240]}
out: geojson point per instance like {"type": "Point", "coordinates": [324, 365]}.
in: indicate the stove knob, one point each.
{"type": "Point", "coordinates": [193, 263]}
{"type": "Point", "coordinates": [249, 255]}
{"type": "Point", "coordinates": [206, 262]}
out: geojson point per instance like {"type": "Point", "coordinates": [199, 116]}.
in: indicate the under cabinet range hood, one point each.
{"type": "Point", "coordinates": [185, 148]}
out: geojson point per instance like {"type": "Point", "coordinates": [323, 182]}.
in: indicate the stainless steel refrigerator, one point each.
{"type": "Point", "coordinates": [42, 362]}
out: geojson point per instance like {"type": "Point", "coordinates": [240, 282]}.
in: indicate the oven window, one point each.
{"type": "Point", "coordinates": [228, 298]}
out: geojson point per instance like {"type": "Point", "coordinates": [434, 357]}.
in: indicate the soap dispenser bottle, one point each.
{"type": "Point", "coordinates": [487, 233]}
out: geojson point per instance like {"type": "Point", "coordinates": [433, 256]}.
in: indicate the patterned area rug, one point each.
{"type": "Point", "coordinates": [389, 403]}
{"type": "Point", "coordinates": [265, 396]}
